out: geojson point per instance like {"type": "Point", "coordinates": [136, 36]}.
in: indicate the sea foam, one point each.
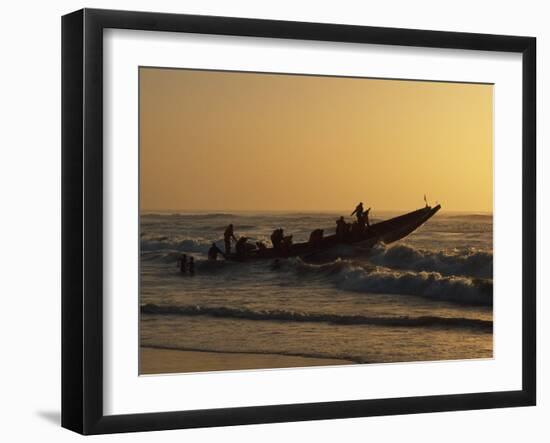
{"type": "Point", "coordinates": [469, 262]}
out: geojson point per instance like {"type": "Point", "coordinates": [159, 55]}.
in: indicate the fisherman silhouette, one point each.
{"type": "Point", "coordinates": [316, 238]}
{"type": "Point", "coordinates": [358, 211]}
{"type": "Point", "coordinates": [191, 266]}
{"type": "Point", "coordinates": [182, 263]}
{"type": "Point", "coordinates": [241, 246]}
{"type": "Point", "coordinates": [340, 228]}
{"type": "Point", "coordinates": [365, 218]}
{"type": "Point", "coordinates": [277, 238]}
{"type": "Point", "coordinates": [227, 235]}
{"type": "Point", "coordinates": [286, 245]}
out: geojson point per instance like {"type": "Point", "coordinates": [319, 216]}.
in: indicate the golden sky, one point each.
{"type": "Point", "coordinates": [212, 140]}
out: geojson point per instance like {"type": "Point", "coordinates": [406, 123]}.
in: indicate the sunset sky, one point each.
{"type": "Point", "coordinates": [213, 140]}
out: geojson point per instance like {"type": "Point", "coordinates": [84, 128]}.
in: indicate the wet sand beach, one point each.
{"type": "Point", "coordinates": [168, 361]}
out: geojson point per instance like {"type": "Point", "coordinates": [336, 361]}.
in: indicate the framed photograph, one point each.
{"type": "Point", "coordinates": [269, 221]}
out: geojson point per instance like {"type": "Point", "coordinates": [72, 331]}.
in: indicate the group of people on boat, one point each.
{"type": "Point", "coordinates": [345, 230]}
{"type": "Point", "coordinates": [282, 243]}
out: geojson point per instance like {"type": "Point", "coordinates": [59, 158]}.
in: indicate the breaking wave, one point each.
{"type": "Point", "coordinates": [472, 262]}
{"type": "Point", "coordinates": [338, 319]}
{"type": "Point", "coordinates": [432, 285]}
{"type": "Point", "coordinates": [363, 277]}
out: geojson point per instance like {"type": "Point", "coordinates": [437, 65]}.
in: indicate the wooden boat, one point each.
{"type": "Point", "coordinates": [386, 231]}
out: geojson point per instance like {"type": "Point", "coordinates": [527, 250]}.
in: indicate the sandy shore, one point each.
{"type": "Point", "coordinates": [164, 361]}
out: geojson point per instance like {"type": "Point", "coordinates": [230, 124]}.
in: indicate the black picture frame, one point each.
{"type": "Point", "coordinates": [82, 219]}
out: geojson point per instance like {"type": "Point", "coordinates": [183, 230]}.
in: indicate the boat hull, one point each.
{"type": "Point", "coordinates": [387, 231]}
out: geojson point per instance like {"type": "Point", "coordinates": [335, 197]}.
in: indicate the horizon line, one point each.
{"type": "Point", "coordinates": [202, 210]}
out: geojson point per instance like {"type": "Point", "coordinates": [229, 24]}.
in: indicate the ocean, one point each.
{"type": "Point", "coordinates": [427, 297]}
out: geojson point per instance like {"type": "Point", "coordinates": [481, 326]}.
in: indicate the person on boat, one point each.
{"type": "Point", "coordinates": [356, 230]}
{"type": "Point", "coordinates": [340, 228]}
{"type": "Point", "coordinates": [358, 211]}
{"type": "Point", "coordinates": [277, 238]}
{"type": "Point", "coordinates": [364, 220]}
{"type": "Point", "coordinates": [213, 252]}
{"type": "Point", "coordinates": [347, 230]}
{"type": "Point", "coordinates": [227, 235]}
{"type": "Point", "coordinates": [241, 247]}
{"type": "Point", "coordinates": [191, 266]}
{"type": "Point", "coordinates": [286, 245]}
{"type": "Point", "coordinates": [316, 238]}
{"type": "Point", "coordinates": [182, 263]}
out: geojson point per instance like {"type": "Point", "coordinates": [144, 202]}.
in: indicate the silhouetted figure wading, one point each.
{"type": "Point", "coordinates": [227, 235]}
{"type": "Point", "coordinates": [182, 263]}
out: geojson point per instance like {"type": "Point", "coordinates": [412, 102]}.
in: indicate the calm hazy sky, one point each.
{"type": "Point", "coordinates": [238, 141]}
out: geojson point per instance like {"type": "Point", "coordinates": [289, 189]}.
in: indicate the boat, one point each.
{"type": "Point", "coordinates": [387, 231]}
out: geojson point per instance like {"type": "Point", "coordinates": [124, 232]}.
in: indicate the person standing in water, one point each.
{"type": "Point", "coordinates": [227, 235]}
{"type": "Point", "coordinates": [182, 263]}
{"type": "Point", "coordinates": [191, 265]}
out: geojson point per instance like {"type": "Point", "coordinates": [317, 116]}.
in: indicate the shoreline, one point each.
{"type": "Point", "coordinates": [170, 361]}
